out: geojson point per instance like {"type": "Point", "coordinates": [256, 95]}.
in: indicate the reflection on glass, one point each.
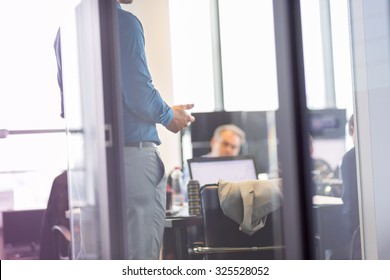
{"type": "Point", "coordinates": [248, 74]}
{"type": "Point", "coordinates": [207, 144]}
{"type": "Point", "coordinates": [83, 112]}
{"type": "Point", "coordinates": [328, 83]}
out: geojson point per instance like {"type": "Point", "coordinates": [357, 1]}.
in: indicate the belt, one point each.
{"type": "Point", "coordinates": [141, 145]}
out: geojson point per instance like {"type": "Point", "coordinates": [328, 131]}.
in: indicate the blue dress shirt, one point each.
{"type": "Point", "coordinates": [143, 105]}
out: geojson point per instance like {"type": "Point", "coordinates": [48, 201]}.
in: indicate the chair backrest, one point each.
{"type": "Point", "coordinates": [55, 215]}
{"type": "Point", "coordinates": [355, 251]}
{"type": "Point", "coordinates": [62, 237]}
{"type": "Point", "coordinates": [221, 231]}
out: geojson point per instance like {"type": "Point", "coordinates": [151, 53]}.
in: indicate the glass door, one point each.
{"type": "Point", "coordinates": [94, 173]}
{"type": "Point", "coordinates": [301, 137]}
{"type": "Point", "coordinates": [329, 93]}
{"type": "Point", "coordinates": [370, 41]}
{"type": "Point", "coordinates": [259, 82]}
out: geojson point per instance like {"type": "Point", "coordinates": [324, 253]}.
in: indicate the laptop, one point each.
{"type": "Point", "coordinates": [209, 170]}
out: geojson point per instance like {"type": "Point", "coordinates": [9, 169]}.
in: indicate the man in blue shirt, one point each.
{"type": "Point", "coordinates": [143, 108]}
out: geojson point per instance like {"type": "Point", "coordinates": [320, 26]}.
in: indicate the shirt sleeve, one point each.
{"type": "Point", "coordinates": [139, 94]}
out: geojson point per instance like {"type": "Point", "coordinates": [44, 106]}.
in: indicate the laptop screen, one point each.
{"type": "Point", "coordinates": [209, 170]}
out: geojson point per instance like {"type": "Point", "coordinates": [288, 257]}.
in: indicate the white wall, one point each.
{"type": "Point", "coordinates": [154, 15]}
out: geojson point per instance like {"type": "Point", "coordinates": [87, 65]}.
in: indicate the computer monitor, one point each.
{"type": "Point", "coordinates": [209, 170]}
{"type": "Point", "coordinates": [327, 123]}
{"type": "Point", "coordinates": [22, 227]}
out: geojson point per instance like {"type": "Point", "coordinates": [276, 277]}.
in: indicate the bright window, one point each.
{"type": "Point", "coordinates": [248, 55]}
{"type": "Point", "coordinates": [30, 99]}
{"type": "Point", "coordinates": [192, 63]}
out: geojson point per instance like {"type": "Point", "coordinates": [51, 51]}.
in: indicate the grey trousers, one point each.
{"type": "Point", "coordinates": [145, 183]}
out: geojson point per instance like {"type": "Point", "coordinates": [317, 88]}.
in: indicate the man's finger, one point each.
{"type": "Point", "coordinates": [188, 106]}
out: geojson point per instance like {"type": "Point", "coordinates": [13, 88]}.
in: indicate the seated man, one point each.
{"type": "Point", "coordinates": [226, 141]}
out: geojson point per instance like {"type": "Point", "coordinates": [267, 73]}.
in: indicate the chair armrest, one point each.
{"type": "Point", "coordinates": [213, 250]}
{"type": "Point", "coordinates": [63, 230]}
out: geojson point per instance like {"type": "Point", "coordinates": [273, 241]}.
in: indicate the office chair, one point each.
{"type": "Point", "coordinates": [355, 249]}
{"type": "Point", "coordinates": [333, 234]}
{"type": "Point", "coordinates": [328, 229]}
{"type": "Point", "coordinates": [62, 238]}
{"type": "Point", "coordinates": [223, 239]}
{"type": "Point", "coordinates": [55, 223]}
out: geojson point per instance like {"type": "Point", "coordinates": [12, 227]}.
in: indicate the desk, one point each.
{"type": "Point", "coordinates": [175, 234]}
{"type": "Point", "coordinates": [319, 200]}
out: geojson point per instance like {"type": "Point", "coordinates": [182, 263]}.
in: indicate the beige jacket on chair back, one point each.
{"type": "Point", "coordinates": [249, 202]}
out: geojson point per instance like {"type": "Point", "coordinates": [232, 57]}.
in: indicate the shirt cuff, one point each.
{"type": "Point", "coordinates": [167, 119]}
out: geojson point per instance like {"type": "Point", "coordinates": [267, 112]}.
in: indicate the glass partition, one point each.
{"type": "Point", "coordinates": [328, 80]}
{"type": "Point", "coordinates": [244, 52]}
{"type": "Point", "coordinates": [82, 76]}
{"type": "Point", "coordinates": [248, 73]}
